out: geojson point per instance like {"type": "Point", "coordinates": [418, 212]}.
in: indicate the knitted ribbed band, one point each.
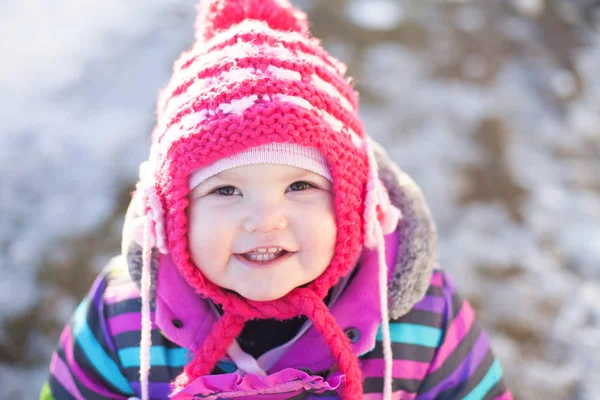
{"type": "Point", "coordinates": [290, 154]}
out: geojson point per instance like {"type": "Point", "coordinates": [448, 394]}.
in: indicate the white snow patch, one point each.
{"type": "Point", "coordinates": [529, 8]}
{"type": "Point", "coordinates": [469, 19]}
{"type": "Point", "coordinates": [475, 66]}
{"type": "Point", "coordinates": [563, 84]}
{"type": "Point", "coordinates": [375, 14]}
{"type": "Point", "coordinates": [584, 119]}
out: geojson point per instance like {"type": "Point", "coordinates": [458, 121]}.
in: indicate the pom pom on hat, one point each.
{"type": "Point", "coordinates": [219, 15]}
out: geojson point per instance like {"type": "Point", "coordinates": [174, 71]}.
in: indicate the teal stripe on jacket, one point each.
{"type": "Point", "coordinates": [159, 356]}
{"type": "Point", "coordinates": [421, 335]}
{"type": "Point", "coordinates": [492, 377]}
{"type": "Point", "coordinates": [94, 352]}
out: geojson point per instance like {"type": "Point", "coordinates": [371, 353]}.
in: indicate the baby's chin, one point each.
{"type": "Point", "coordinates": [263, 295]}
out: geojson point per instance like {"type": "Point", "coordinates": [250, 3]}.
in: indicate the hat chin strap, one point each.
{"type": "Point", "coordinates": [380, 215]}
{"type": "Point", "coordinates": [385, 325]}
{"type": "Point", "coordinates": [146, 340]}
{"type": "Point", "coordinates": [224, 332]}
{"type": "Point", "coordinates": [316, 310]}
{"type": "Point", "coordinates": [306, 302]}
{"type": "Point", "coordinates": [378, 241]}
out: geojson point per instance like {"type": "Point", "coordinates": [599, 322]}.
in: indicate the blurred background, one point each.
{"type": "Point", "coordinates": [493, 107]}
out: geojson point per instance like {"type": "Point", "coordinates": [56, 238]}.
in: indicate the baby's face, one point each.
{"type": "Point", "coordinates": [262, 230]}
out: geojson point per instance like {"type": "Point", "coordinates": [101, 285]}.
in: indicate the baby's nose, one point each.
{"type": "Point", "coordinates": [265, 219]}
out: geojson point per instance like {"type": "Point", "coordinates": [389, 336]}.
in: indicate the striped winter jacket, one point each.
{"type": "Point", "coordinates": [439, 350]}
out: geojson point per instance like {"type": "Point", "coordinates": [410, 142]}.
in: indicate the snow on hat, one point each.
{"type": "Point", "coordinates": [255, 78]}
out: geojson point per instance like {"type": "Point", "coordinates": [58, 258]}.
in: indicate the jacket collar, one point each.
{"type": "Point", "coordinates": [186, 319]}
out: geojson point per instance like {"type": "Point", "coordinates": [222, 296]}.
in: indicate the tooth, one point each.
{"type": "Point", "coordinates": [261, 250]}
{"type": "Point", "coordinates": [258, 257]}
{"type": "Point", "coordinates": [273, 249]}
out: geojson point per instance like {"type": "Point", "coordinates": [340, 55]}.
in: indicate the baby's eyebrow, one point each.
{"type": "Point", "coordinates": [289, 176]}
{"type": "Point", "coordinates": [308, 176]}
{"type": "Point", "coordinates": [233, 178]}
{"type": "Point", "coordinates": [210, 183]}
{"type": "Point", "coordinates": [298, 175]}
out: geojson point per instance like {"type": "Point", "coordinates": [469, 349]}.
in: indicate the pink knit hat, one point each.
{"type": "Point", "coordinates": [255, 84]}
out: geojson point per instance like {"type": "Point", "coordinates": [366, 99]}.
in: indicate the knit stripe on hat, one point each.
{"type": "Point", "coordinates": [215, 107]}
{"type": "Point", "coordinates": [249, 54]}
{"type": "Point", "coordinates": [190, 121]}
{"type": "Point", "coordinates": [251, 31]}
{"type": "Point", "coordinates": [273, 153]}
{"type": "Point", "coordinates": [261, 84]}
{"type": "Point", "coordinates": [226, 74]}
{"type": "Point", "coordinates": [240, 55]}
{"type": "Point", "coordinates": [243, 36]}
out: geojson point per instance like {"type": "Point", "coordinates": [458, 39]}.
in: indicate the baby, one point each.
{"type": "Point", "coordinates": [262, 230]}
{"type": "Point", "coordinates": [271, 249]}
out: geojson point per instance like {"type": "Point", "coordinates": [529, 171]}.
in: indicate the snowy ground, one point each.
{"type": "Point", "coordinates": [492, 107]}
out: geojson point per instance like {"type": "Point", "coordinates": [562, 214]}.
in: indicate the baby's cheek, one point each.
{"type": "Point", "coordinates": [206, 224]}
{"type": "Point", "coordinates": [322, 242]}
{"type": "Point", "coordinates": [327, 231]}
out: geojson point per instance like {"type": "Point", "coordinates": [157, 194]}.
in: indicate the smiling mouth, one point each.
{"type": "Point", "coordinates": [264, 255]}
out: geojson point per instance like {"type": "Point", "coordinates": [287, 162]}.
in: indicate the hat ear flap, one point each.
{"type": "Point", "coordinates": [378, 207]}
{"type": "Point", "coordinates": [148, 207]}
{"type": "Point", "coordinates": [388, 215]}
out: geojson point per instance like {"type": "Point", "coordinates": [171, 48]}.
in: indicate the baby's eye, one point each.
{"type": "Point", "coordinates": [226, 191]}
{"type": "Point", "coordinates": [300, 185]}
